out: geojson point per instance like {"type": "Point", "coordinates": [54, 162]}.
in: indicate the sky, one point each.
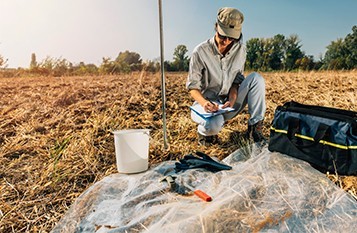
{"type": "Point", "coordinates": [89, 30]}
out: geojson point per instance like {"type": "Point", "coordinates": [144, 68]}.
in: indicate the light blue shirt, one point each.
{"type": "Point", "coordinates": [211, 72]}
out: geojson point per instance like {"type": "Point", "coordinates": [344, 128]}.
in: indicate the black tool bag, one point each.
{"type": "Point", "coordinates": [324, 137]}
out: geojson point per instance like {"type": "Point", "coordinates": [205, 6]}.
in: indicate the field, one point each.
{"type": "Point", "coordinates": [56, 140]}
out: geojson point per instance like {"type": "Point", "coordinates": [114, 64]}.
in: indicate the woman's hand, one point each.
{"type": "Point", "coordinates": [209, 106]}
{"type": "Point", "coordinates": [233, 95]}
{"type": "Point", "coordinates": [227, 104]}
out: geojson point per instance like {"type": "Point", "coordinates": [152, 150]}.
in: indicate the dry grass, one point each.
{"type": "Point", "coordinates": [56, 140]}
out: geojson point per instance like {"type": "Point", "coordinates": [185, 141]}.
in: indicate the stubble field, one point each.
{"type": "Point", "coordinates": [56, 140]}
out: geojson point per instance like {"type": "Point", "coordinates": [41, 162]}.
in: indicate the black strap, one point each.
{"type": "Point", "coordinates": [294, 128]}
{"type": "Point", "coordinates": [320, 111]}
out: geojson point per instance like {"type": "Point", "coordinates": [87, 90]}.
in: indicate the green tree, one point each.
{"type": "Point", "coordinates": [114, 67]}
{"type": "Point", "coordinates": [277, 52]}
{"type": "Point", "coordinates": [54, 66]}
{"type": "Point", "coordinates": [266, 54]}
{"type": "Point", "coordinates": [45, 67]}
{"type": "Point", "coordinates": [181, 60]}
{"type": "Point", "coordinates": [151, 66]}
{"type": "Point", "coordinates": [334, 56]}
{"type": "Point", "coordinates": [253, 52]}
{"type": "Point", "coordinates": [129, 59]}
{"type": "Point", "coordinates": [351, 49]}
{"type": "Point", "coordinates": [62, 67]}
{"type": "Point", "coordinates": [33, 64]}
{"type": "Point", "coordinates": [273, 53]}
{"type": "Point", "coordinates": [108, 66]}
{"type": "Point", "coordinates": [318, 65]}
{"type": "Point", "coordinates": [292, 52]}
{"type": "Point", "coordinates": [342, 53]}
{"type": "Point", "coordinates": [305, 63]}
{"type": "Point", "coordinates": [168, 66]}
{"type": "Point", "coordinates": [85, 69]}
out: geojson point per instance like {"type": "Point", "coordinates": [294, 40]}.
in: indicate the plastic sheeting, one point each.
{"type": "Point", "coordinates": [264, 192]}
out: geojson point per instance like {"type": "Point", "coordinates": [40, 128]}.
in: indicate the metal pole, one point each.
{"type": "Point", "coordinates": [163, 93]}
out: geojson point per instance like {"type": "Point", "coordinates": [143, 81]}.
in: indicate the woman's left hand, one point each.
{"type": "Point", "coordinates": [227, 104]}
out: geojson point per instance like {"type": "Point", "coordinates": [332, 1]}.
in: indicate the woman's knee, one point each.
{"type": "Point", "coordinates": [256, 76]}
{"type": "Point", "coordinates": [256, 79]}
{"type": "Point", "coordinates": [213, 126]}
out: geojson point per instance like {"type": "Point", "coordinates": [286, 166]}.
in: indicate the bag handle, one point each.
{"type": "Point", "coordinates": [294, 124]}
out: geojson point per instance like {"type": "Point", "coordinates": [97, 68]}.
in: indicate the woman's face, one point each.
{"type": "Point", "coordinates": [223, 42]}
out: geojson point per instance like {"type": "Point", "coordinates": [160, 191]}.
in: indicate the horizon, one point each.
{"type": "Point", "coordinates": [87, 31]}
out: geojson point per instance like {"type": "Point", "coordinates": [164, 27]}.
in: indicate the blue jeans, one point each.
{"type": "Point", "coordinates": [251, 92]}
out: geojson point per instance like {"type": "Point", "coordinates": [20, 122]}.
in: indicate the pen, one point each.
{"type": "Point", "coordinates": [214, 104]}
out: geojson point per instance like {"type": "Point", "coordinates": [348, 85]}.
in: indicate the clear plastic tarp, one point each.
{"type": "Point", "coordinates": [264, 192]}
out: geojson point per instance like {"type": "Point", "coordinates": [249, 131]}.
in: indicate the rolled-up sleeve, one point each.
{"type": "Point", "coordinates": [239, 78]}
{"type": "Point", "coordinates": [240, 61]}
{"type": "Point", "coordinates": [194, 80]}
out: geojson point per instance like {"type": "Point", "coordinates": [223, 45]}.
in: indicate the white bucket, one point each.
{"type": "Point", "coordinates": [132, 150]}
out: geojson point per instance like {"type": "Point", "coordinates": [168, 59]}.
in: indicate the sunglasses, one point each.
{"type": "Point", "coordinates": [225, 37]}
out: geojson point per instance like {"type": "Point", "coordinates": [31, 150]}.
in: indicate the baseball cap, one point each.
{"type": "Point", "coordinates": [229, 22]}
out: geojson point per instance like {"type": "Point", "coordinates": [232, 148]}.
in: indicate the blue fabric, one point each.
{"type": "Point", "coordinates": [309, 125]}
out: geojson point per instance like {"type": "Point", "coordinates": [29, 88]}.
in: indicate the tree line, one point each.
{"type": "Point", "coordinates": [263, 54]}
{"type": "Point", "coordinates": [284, 53]}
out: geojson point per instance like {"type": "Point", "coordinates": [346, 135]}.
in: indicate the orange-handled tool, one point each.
{"type": "Point", "coordinates": [199, 193]}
